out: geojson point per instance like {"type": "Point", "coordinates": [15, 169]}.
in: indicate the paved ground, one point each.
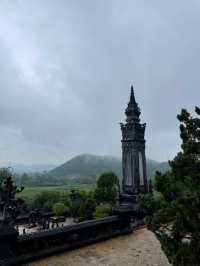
{"type": "Point", "coordinates": [138, 249]}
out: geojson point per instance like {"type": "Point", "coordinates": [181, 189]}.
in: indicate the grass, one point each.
{"type": "Point", "coordinates": [29, 193]}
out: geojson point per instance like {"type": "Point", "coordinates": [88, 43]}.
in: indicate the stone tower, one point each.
{"type": "Point", "coordinates": [133, 151]}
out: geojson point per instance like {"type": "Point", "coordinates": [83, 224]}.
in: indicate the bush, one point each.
{"type": "Point", "coordinates": [87, 209]}
{"type": "Point", "coordinates": [45, 200]}
{"type": "Point", "coordinates": [59, 209]}
{"type": "Point", "coordinates": [102, 210]}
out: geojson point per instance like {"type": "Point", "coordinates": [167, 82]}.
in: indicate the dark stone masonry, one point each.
{"type": "Point", "coordinates": [133, 150]}
{"type": "Point", "coordinates": [134, 179]}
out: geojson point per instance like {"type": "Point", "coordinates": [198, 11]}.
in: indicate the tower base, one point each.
{"type": "Point", "coordinates": [126, 205]}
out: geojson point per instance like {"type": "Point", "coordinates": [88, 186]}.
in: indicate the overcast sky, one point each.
{"type": "Point", "coordinates": [66, 68]}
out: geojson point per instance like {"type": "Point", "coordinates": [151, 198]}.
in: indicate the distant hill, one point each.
{"type": "Point", "coordinates": [87, 165]}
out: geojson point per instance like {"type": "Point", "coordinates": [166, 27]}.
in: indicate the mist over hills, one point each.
{"type": "Point", "coordinates": [80, 170]}
{"type": "Point", "coordinates": [87, 165]}
{"type": "Point", "coordinates": [32, 168]}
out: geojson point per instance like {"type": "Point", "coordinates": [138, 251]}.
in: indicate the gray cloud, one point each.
{"type": "Point", "coordinates": [66, 69]}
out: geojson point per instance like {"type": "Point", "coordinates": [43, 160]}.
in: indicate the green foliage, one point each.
{"type": "Point", "coordinates": [84, 204]}
{"type": "Point", "coordinates": [107, 188]}
{"type": "Point", "coordinates": [102, 210]}
{"type": "Point", "coordinates": [79, 198]}
{"type": "Point", "coordinates": [45, 200]}
{"type": "Point", "coordinates": [59, 208]}
{"type": "Point", "coordinates": [175, 216]}
{"type": "Point", "coordinates": [29, 194]}
{"type": "Point", "coordinates": [87, 209]}
{"type": "Point", "coordinates": [167, 185]}
{"type": "Point", "coordinates": [4, 173]}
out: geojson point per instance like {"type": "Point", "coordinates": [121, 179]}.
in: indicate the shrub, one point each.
{"type": "Point", "coordinates": [87, 209]}
{"type": "Point", "coordinates": [45, 200]}
{"type": "Point", "coordinates": [102, 210]}
{"type": "Point", "coordinates": [59, 209]}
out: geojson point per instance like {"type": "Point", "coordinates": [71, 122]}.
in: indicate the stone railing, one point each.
{"type": "Point", "coordinates": [15, 249]}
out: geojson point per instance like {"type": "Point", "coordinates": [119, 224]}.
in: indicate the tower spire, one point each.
{"type": "Point", "coordinates": [132, 97]}
{"type": "Point", "coordinates": [132, 111]}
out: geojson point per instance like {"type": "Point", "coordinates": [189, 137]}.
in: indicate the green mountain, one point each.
{"type": "Point", "coordinates": [91, 166]}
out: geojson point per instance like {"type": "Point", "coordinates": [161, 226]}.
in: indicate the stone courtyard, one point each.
{"type": "Point", "coordinates": [138, 249]}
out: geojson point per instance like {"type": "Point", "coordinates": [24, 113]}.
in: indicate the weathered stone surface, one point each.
{"type": "Point", "coordinates": [133, 150]}
{"type": "Point", "coordinates": [139, 249]}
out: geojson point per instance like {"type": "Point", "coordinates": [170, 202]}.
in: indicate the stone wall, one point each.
{"type": "Point", "coordinates": [34, 246]}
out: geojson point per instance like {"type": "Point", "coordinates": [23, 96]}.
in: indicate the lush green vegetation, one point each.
{"type": "Point", "coordinates": [88, 201]}
{"type": "Point", "coordinates": [5, 173]}
{"type": "Point", "coordinates": [98, 203]}
{"type": "Point", "coordinates": [29, 194]}
{"type": "Point", "coordinates": [46, 179]}
{"type": "Point", "coordinates": [107, 188]}
{"type": "Point", "coordinates": [173, 211]}
{"type": "Point", "coordinates": [87, 208]}
{"type": "Point", "coordinates": [60, 209]}
{"type": "Point", "coordinates": [102, 210]}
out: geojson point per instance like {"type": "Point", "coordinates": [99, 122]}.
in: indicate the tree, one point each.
{"type": "Point", "coordinates": [59, 208]}
{"type": "Point", "coordinates": [76, 199]}
{"type": "Point", "coordinates": [46, 199]}
{"type": "Point", "coordinates": [87, 209]}
{"type": "Point", "coordinates": [176, 219]}
{"type": "Point", "coordinates": [25, 179]}
{"type": "Point", "coordinates": [4, 173]}
{"type": "Point", "coordinates": [107, 188]}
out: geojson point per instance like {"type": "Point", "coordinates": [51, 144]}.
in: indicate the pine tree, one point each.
{"type": "Point", "coordinates": [175, 215]}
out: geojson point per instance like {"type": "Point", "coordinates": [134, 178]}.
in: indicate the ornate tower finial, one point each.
{"type": "Point", "coordinates": [132, 98]}
{"type": "Point", "coordinates": [132, 111]}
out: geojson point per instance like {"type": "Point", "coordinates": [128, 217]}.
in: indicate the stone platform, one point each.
{"type": "Point", "coordinates": [140, 248]}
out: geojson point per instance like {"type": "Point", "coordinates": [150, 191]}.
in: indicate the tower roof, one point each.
{"type": "Point", "coordinates": [132, 97]}
{"type": "Point", "coordinates": [132, 111]}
